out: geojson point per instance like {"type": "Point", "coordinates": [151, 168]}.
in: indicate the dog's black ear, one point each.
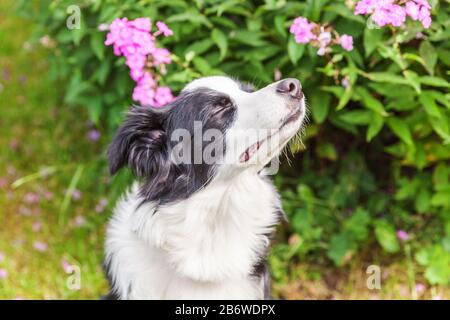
{"type": "Point", "coordinates": [140, 143]}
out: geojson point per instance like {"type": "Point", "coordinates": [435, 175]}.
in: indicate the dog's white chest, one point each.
{"type": "Point", "coordinates": [204, 247]}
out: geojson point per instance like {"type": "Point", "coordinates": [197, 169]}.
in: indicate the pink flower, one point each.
{"type": "Point", "coordinates": [3, 274]}
{"type": "Point", "coordinates": [66, 266]}
{"type": "Point", "coordinates": [93, 135]}
{"type": "Point", "coordinates": [163, 96]}
{"type": "Point", "coordinates": [3, 182]}
{"type": "Point", "coordinates": [164, 29]}
{"type": "Point", "coordinates": [412, 9]}
{"type": "Point", "coordinates": [133, 40]}
{"type": "Point", "coordinates": [79, 221]}
{"type": "Point", "coordinates": [420, 288]}
{"type": "Point", "coordinates": [76, 195]}
{"type": "Point", "coordinates": [365, 6]}
{"type": "Point", "coordinates": [324, 39]}
{"type": "Point", "coordinates": [321, 51]}
{"type": "Point", "coordinates": [36, 226]}
{"type": "Point", "coordinates": [301, 28]}
{"type": "Point", "coordinates": [101, 205]}
{"type": "Point", "coordinates": [402, 235]}
{"type": "Point", "coordinates": [389, 14]}
{"type": "Point", "coordinates": [346, 42]}
{"type": "Point", "coordinates": [397, 15]}
{"type": "Point", "coordinates": [385, 12]}
{"type": "Point", "coordinates": [143, 24]}
{"type": "Point", "coordinates": [40, 246]}
{"type": "Point", "coordinates": [103, 27]}
{"type": "Point", "coordinates": [345, 82]}
{"type": "Point", "coordinates": [161, 56]}
{"type": "Point", "coordinates": [31, 198]}
{"type": "Point", "coordinates": [144, 91]}
{"type": "Point", "coordinates": [136, 61]}
{"type": "Point", "coordinates": [424, 16]}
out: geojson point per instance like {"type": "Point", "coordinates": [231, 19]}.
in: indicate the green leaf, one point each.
{"type": "Point", "coordinates": [440, 199]}
{"type": "Point", "coordinates": [200, 47]}
{"type": "Point", "coordinates": [401, 129]}
{"type": "Point", "coordinates": [392, 53]}
{"type": "Point", "coordinates": [370, 102]}
{"type": "Point", "coordinates": [437, 261]}
{"type": "Point", "coordinates": [422, 202]}
{"type": "Point", "coordinates": [295, 50]}
{"type": "Point", "coordinates": [327, 151]}
{"type": "Point", "coordinates": [279, 22]}
{"type": "Point", "coordinates": [357, 117]}
{"type": "Point", "coordinates": [438, 273]}
{"type": "Point", "coordinates": [441, 127]}
{"type": "Point", "coordinates": [434, 81]}
{"type": "Point", "coordinates": [372, 38]}
{"type": "Point", "coordinates": [305, 193]}
{"type": "Point", "coordinates": [345, 98]}
{"type": "Point", "coordinates": [201, 65]}
{"type": "Point", "coordinates": [78, 34]}
{"type": "Point", "coordinates": [386, 237]}
{"type": "Point", "coordinates": [320, 105]}
{"type": "Point", "coordinates": [246, 37]}
{"type": "Point", "coordinates": [357, 225]}
{"type": "Point", "coordinates": [441, 98]}
{"type": "Point", "coordinates": [340, 247]}
{"type": "Point", "coordinates": [420, 157]}
{"type": "Point", "coordinates": [414, 57]}
{"type": "Point", "coordinates": [94, 107]}
{"type": "Point", "coordinates": [429, 56]}
{"type": "Point", "coordinates": [429, 104]}
{"type": "Point", "coordinates": [375, 125]}
{"type": "Point", "coordinates": [413, 80]}
{"type": "Point", "coordinates": [101, 73]}
{"type": "Point", "coordinates": [97, 45]}
{"type": "Point", "coordinates": [386, 77]}
{"type": "Point", "coordinates": [220, 39]}
{"type": "Point", "coordinates": [444, 55]}
{"type": "Point", "coordinates": [191, 16]}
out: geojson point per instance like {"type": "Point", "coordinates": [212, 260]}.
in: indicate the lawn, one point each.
{"type": "Point", "coordinates": [56, 196]}
{"type": "Point", "coordinates": [46, 223]}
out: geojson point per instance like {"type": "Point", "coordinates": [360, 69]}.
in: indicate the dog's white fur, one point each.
{"type": "Point", "coordinates": [203, 247]}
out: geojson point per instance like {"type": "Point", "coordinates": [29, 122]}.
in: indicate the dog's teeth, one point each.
{"type": "Point", "coordinates": [244, 157]}
{"type": "Point", "coordinates": [249, 152]}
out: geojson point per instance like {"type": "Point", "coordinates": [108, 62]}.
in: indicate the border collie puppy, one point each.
{"type": "Point", "coordinates": [197, 222]}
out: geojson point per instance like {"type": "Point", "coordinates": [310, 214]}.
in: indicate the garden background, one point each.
{"type": "Point", "coordinates": [369, 185]}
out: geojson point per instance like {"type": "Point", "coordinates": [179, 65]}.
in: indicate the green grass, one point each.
{"type": "Point", "coordinates": [38, 132]}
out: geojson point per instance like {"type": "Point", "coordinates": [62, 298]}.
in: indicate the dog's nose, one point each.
{"type": "Point", "coordinates": [290, 87]}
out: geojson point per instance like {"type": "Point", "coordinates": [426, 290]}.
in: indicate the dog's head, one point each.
{"type": "Point", "coordinates": [217, 127]}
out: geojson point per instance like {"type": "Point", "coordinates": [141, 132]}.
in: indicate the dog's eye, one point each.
{"type": "Point", "coordinates": [223, 105]}
{"type": "Point", "coordinates": [225, 102]}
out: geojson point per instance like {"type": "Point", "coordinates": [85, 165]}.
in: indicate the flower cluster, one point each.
{"type": "Point", "coordinates": [319, 36]}
{"type": "Point", "coordinates": [133, 40]}
{"type": "Point", "coordinates": [391, 12]}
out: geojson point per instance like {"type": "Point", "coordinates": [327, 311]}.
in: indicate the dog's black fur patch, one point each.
{"type": "Point", "coordinates": [143, 143]}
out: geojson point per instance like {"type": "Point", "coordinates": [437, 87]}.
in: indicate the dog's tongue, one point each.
{"type": "Point", "coordinates": [249, 152]}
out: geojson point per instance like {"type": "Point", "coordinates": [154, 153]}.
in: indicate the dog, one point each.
{"type": "Point", "coordinates": [191, 228]}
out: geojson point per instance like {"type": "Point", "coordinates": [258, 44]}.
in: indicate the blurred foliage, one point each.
{"type": "Point", "coordinates": [377, 149]}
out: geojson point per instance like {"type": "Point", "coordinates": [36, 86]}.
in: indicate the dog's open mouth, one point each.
{"type": "Point", "coordinates": [251, 151]}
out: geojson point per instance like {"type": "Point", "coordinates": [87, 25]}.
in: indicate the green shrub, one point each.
{"type": "Point", "coordinates": [377, 149]}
